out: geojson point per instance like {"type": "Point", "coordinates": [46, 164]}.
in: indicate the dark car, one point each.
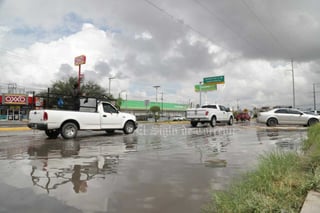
{"type": "Point", "coordinates": [243, 116]}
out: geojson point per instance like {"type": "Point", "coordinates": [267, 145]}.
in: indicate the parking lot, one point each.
{"type": "Point", "coordinates": [167, 167]}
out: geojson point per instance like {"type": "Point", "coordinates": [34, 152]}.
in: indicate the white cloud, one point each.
{"type": "Point", "coordinates": [175, 47]}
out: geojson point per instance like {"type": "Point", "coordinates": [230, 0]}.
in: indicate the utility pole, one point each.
{"type": "Point", "coordinates": [293, 89]}
{"type": "Point", "coordinates": [162, 103]}
{"type": "Point", "coordinates": [314, 97]}
{"type": "Point", "coordinates": [110, 78]}
{"type": "Point", "coordinates": [200, 85]}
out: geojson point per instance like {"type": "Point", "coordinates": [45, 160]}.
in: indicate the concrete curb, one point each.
{"type": "Point", "coordinates": [311, 203]}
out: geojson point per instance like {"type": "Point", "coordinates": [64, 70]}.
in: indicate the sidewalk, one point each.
{"type": "Point", "coordinates": [12, 125]}
{"type": "Point", "coordinates": [312, 203]}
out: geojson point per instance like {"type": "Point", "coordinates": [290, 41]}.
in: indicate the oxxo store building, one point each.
{"type": "Point", "coordinates": [14, 106]}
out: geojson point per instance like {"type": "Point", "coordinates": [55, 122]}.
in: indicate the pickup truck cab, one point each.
{"type": "Point", "coordinates": [212, 114]}
{"type": "Point", "coordinates": [93, 115]}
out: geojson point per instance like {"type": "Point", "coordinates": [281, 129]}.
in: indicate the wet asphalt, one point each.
{"type": "Point", "coordinates": [159, 168]}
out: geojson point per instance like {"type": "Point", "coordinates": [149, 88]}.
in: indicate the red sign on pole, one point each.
{"type": "Point", "coordinates": [15, 99]}
{"type": "Point", "coordinates": [80, 60]}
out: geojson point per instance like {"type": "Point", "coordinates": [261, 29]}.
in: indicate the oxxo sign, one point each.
{"type": "Point", "coordinates": [15, 99]}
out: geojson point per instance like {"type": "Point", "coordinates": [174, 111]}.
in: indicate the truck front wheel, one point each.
{"type": "Point", "coordinates": [52, 133]}
{"type": "Point", "coordinates": [213, 121]}
{"type": "Point", "coordinates": [69, 130]}
{"type": "Point", "coordinates": [230, 121]}
{"type": "Point", "coordinates": [128, 127]}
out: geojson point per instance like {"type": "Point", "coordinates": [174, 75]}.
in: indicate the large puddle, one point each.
{"type": "Point", "coordinates": [160, 168]}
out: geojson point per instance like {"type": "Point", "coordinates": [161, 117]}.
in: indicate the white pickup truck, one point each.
{"type": "Point", "coordinates": [93, 115]}
{"type": "Point", "coordinates": [212, 114]}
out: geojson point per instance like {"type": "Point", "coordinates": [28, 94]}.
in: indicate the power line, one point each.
{"type": "Point", "coordinates": [178, 20]}
{"type": "Point", "coordinates": [273, 37]}
{"type": "Point", "coordinates": [226, 25]}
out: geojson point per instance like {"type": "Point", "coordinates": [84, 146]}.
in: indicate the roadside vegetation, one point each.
{"type": "Point", "coordinates": [280, 182]}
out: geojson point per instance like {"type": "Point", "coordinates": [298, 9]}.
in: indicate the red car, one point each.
{"type": "Point", "coordinates": [243, 116]}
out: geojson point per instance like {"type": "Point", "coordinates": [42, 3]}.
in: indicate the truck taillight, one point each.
{"type": "Point", "coordinates": [45, 116]}
{"type": "Point", "coordinates": [207, 113]}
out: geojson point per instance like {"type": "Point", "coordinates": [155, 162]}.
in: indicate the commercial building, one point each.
{"type": "Point", "coordinates": [17, 107]}
{"type": "Point", "coordinates": [141, 108]}
{"type": "Point", "coordinates": [14, 106]}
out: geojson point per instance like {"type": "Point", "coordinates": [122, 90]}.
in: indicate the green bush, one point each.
{"type": "Point", "coordinates": [280, 182]}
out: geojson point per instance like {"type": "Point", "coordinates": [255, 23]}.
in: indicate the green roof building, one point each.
{"type": "Point", "coordinates": [144, 106]}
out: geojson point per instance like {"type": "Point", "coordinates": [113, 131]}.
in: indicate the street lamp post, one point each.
{"type": "Point", "coordinates": [110, 78]}
{"type": "Point", "coordinates": [156, 87]}
{"type": "Point", "coordinates": [314, 97]}
{"type": "Point", "coordinates": [200, 85]}
{"type": "Point", "coordinates": [162, 103]}
{"type": "Point", "coordinates": [126, 96]}
{"type": "Point", "coordinates": [293, 89]}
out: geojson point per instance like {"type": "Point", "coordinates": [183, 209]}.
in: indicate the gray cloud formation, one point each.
{"type": "Point", "coordinates": [177, 43]}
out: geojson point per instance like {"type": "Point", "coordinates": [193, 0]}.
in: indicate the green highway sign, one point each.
{"type": "Point", "coordinates": [205, 88]}
{"type": "Point", "coordinates": [214, 80]}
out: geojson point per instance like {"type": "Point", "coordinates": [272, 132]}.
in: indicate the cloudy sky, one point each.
{"type": "Point", "coordinates": [173, 44]}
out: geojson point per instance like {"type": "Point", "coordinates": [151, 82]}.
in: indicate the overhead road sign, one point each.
{"type": "Point", "coordinates": [205, 87]}
{"type": "Point", "coordinates": [214, 80]}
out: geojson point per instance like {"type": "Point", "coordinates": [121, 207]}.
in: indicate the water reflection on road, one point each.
{"type": "Point", "coordinates": [160, 168]}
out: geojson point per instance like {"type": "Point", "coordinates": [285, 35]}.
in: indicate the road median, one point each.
{"type": "Point", "coordinates": [20, 128]}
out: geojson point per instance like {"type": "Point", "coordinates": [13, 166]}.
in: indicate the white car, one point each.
{"type": "Point", "coordinates": [178, 118]}
{"type": "Point", "coordinates": [287, 116]}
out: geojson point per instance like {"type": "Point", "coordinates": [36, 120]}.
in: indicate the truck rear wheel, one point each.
{"type": "Point", "coordinates": [129, 127]}
{"type": "Point", "coordinates": [69, 130]}
{"type": "Point", "coordinates": [194, 123]}
{"type": "Point", "coordinates": [52, 133]}
{"type": "Point", "coordinates": [213, 121]}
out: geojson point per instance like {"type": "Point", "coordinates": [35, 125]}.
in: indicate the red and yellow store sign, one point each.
{"type": "Point", "coordinates": [15, 99]}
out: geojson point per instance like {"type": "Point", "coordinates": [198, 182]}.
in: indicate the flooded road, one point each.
{"type": "Point", "coordinates": [160, 168]}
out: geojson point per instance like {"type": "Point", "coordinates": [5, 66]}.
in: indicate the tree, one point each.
{"type": "Point", "coordinates": [89, 89]}
{"type": "Point", "coordinates": [64, 90]}
{"type": "Point", "coordinates": [155, 110]}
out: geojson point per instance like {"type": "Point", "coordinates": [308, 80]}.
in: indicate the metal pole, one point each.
{"type": "Point", "coordinates": [293, 90]}
{"type": "Point", "coordinates": [156, 87]}
{"type": "Point", "coordinates": [110, 78]}
{"type": "Point", "coordinates": [314, 97]}
{"type": "Point", "coordinates": [200, 92]}
{"type": "Point", "coordinates": [79, 74]}
{"type": "Point", "coordinates": [162, 103]}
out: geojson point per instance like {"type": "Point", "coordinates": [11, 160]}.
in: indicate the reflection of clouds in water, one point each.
{"type": "Point", "coordinates": [286, 140]}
